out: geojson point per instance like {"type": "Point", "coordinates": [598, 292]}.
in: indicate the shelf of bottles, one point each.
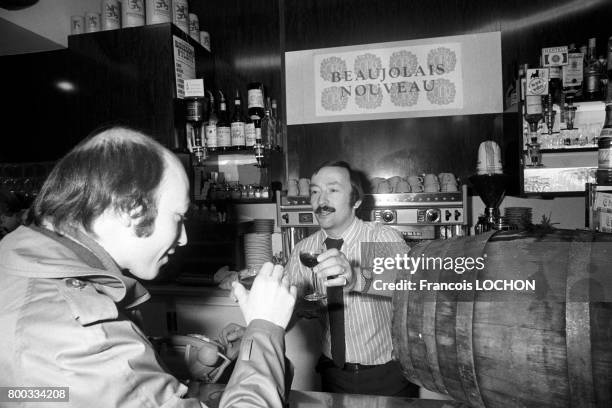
{"type": "Point", "coordinates": [218, 131]}
{"type": "Point", "coordinates": [564, 105]}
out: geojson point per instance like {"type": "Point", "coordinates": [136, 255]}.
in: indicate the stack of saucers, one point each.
{"type": "Point", "coordinates": [519, 217]}
{"type": "Point", "coordinates": [257, 248]}
{"type": "Point", "coordinates": [264, 226]}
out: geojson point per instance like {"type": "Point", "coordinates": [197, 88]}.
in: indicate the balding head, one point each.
{"type": "Point", "coordinates": [117, 168]}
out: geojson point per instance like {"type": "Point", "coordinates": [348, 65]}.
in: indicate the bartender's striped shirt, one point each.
{"type": "Point", "coordinates": [367, 318]}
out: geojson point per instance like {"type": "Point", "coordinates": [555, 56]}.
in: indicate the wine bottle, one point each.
{"type": "Point", "coordinates": [255, 102]}
{"type": "Point", "coordinates": [267, 129]}
{"type": "Point", "coordinates": [211, 126]}
{"type": "Point", "coordinates": [237, 124]}
{"type": "Point", "coordinates": [224, 140]}
{"type": "Point", "coordinates": [572, 74]}
{"type": "Point", "coordinates": [592, 73]}
{"type": "Point", "coordinates": [249, 132]}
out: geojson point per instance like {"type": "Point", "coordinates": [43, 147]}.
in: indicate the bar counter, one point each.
{"type": "Point", "coordinates": [210, 394]}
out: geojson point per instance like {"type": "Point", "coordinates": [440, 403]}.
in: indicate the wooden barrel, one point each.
{"type": "Point", "coordinates": [547, 347]}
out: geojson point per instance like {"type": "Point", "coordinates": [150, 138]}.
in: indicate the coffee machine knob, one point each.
{"type": "Point", "coordinates": [388, 216]}
{"type": "Point", "coordinates": [432, 215]}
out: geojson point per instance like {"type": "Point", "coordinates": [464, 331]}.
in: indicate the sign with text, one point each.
{"type": "Point", "coordinates": [184, 64]}
{"type": "Point", "coordinates": [399, 79]}
{"type": "Point", "coordinates": [443, 76]}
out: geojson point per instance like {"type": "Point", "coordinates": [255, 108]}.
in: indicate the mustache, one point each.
{"type": "Point", "coordinates": [326, 208]}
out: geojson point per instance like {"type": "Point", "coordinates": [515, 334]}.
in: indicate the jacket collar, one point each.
{"type": "Point", "coordinates": [97, 267]}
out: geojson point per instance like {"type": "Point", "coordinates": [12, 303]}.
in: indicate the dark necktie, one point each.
{"type": "Point", "coordinates": [335, 309]}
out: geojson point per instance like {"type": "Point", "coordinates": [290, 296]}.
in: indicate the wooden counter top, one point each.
{"type": "Point", "coordinates": [210, 394]}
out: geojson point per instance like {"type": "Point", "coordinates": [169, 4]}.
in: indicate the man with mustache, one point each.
{"type": "Point", "coordinates": [357, 336]}
{"type": "Point", "coordinates": [117, 203]}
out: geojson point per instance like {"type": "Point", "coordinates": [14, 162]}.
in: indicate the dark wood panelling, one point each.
{"type": "Point", "coordinates": [36, 118]}
{"type": "Point", "coordinates": [127, 76]}
{"type": "Point", "coordinates": [245, 41]}
{"type": "Point", "coordinates": [385, 148]}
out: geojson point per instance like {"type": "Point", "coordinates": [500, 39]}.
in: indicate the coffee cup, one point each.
{"type": "Point", "coordinates": [447, 178]}
{"type": "Point", "coordinates": [417, 188]}
{"type": "Point", "coordinates": [449, 188]}
{"type": "Point", "coordinates": [402, 187]}
{"type": "Point", "coordinates": [432, 188]}
{"type": "Point", "coordinates": [384, 187]}
{"type": "Point", "coordinates": [430, 179]}
{"type": "Point", "coordinates": [393, 181]}
{"type": "Point", "coordinates": [412, 180]}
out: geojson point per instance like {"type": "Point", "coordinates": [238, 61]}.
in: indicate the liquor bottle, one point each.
{"type": "Point", "coordinates": [267, 130]}
{"type": "Point", "coordinates": [195, 116]}
{"type": "Point", "coordinates": [555, 87]}
{"type": "Point", "coordinates": [211, 127]}
{"type": "Point", "coordinates": [277, 125]}
{"type": "Point", "coordinates": [533, 113]}
{"type": "Point", "coordinates": [255, 102]}
{"type": "Point", "coordinates": [604, 142]}
{"type": "Point", "coordinates": [224, 139]}
{"type": "Point", "coordinates": [237, 124]}
{"type": "Point", "coordinates": [249, 132]}
{"type": "Point", "coordinates": [592, 73]}
{"type": "Point", "coordinates": [273, 136]}
{"type": "Point", "coordinates": [572, 74]}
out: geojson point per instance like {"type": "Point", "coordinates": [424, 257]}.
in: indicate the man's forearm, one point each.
{"type": "Point", "coordinates": [258, 379]}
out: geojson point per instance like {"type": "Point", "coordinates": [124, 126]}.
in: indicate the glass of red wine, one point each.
{"type": "Point", "coordinates": [309, 259]}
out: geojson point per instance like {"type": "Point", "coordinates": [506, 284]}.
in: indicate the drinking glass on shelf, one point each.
{"type": "Point", "coordinates": [309, 260]}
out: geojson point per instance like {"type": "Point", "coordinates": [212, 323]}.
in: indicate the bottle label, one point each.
{"type": "Point", "coordinates": [257, 133]}
{"type": "Point", "coordinates": [604, 155]}
{"type": "Point", "coordinates": [534, 105]}
{"type": "Point", "coordinates": [224, 136]}
{"type": "Point", "coordinates": [255, 98]}
{"type": "Point", "coordinates": [237, 134]}
{"type": "Point", "coordinates": [573, 71]}
{"type": "Point", "coordinates": [211, 136]}
{"type": "Point", "coordinates": [249, 134]}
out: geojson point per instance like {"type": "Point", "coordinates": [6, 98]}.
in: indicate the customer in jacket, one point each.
{"type": "Point", "coordinates": [116, 203]}
{"type": "Point", "coordinates": [357, 347]}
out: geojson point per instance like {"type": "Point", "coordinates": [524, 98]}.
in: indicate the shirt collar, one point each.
{"type": "Point", "coordinates": [348, 233]}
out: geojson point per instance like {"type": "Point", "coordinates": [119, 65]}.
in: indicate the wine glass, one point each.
{"type": "Point", "coordinates": [309, 259]}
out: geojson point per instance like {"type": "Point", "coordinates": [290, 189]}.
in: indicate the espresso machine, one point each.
{"type": "Point", "coordinates": [420, 216]}
{"type": "Point", "coordinates": [296, 219]}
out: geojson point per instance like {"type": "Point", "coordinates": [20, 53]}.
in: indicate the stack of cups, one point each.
{"type": "Point", "coordinates": [416, 184]}
{"type": "Point", "coordinates": [448, 182]}
{"type": "Point", "coordinates": [489, 158]}
{"type": "Point", "coordinates": [431, 183]}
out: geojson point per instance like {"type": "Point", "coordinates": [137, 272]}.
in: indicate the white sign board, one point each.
{"type": "Point", "coordinates": [184, 64]}
{"type": "Point", "coordinates": [443, 76]}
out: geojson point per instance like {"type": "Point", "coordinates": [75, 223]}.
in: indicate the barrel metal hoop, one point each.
{"type": "Point", "coordinates": [429, 332]}
{"type": "Point", "coordinates": [464, 332]}
{"type": "Point", "coordinates": [578, 330]}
